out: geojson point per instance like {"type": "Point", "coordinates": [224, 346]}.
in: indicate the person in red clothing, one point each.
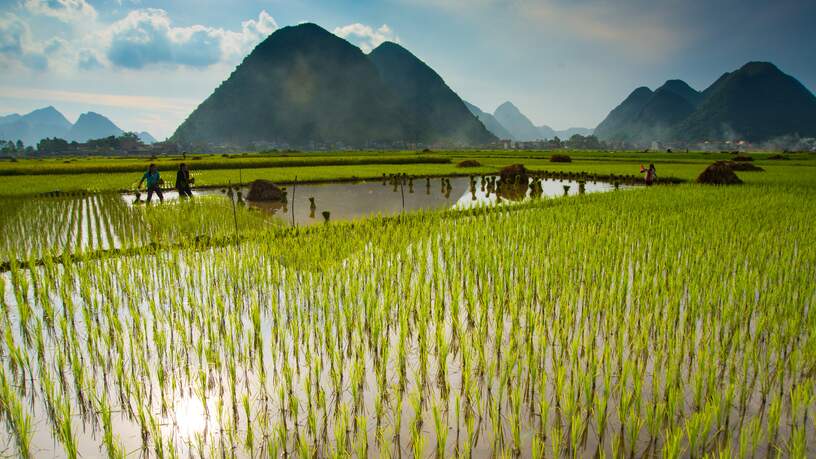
{"type": "Point", "coordinates": [651, 173]}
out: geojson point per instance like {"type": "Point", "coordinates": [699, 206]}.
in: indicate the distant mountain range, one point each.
{"type": "Point", "coordinates": [30, 128]}
{"type": "Point", "coordinates": [756, 103]}
{"type": "Point", "coordinates": [508, 123]}
{"type": "Point", "coordinates": [49, 122]}
{"type": "Point", "coordinates": [305, 85]}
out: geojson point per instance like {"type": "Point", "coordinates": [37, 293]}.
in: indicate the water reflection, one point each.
{"type": "Point", "coordinates": [393, 194]}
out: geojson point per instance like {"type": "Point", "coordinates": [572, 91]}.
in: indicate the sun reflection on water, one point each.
{"type": "Point", "coordinates": [189, 418]}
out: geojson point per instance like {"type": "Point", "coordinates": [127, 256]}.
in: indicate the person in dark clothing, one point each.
{"type": "Point", "coordinates": [153, 183]}
{"type": "Point", "coordinates": [183, 181]}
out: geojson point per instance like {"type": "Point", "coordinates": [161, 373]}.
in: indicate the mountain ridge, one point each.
{"type": "Point", "coordinates": [304, 85]}
{"type": "Point", "coordinates": [48, 122]}
{"type": "Point", "coordinates": [757, 102]}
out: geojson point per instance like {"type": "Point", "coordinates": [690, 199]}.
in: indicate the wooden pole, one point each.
{"type": "Point", "coordinates": [402, 190]}
{"type": "Point", "coordinates": [294, 188]}
{"type": "Point", "coordinates": [234, 213]}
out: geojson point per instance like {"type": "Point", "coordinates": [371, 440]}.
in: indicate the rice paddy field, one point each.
{"type": "Point", "coordinates": [664, 321]}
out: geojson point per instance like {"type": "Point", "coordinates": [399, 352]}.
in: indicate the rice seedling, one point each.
{"type": "Point", "coordinates": [598, 325]}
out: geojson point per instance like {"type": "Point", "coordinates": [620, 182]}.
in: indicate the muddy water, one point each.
{"type": "Point", "coordinates": [347, 201]}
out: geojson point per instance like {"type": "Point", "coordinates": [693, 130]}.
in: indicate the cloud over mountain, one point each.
{"type": "Point", "coordinates": [148, 36]}
{"type": "Point", "coordinates": [366, 37]}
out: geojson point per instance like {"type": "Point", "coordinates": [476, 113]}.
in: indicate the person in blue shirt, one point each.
{"type": "Point", "coordinates": [153, 183]}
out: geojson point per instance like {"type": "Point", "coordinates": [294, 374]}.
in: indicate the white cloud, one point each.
{"type": "Point", "coordinates": [253, 31]}
{"type": "Point", "coordinates": [366, 37]}
{"type": "Point", "coordinates": [148, 36]}
{"type": "Point", "coordinates": [16, 46]}
{"type": "Point", "coordinates": [69, 11]}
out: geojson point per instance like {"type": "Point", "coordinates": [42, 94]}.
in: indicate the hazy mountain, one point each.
{"type": "Point", "coordinates": [490, 122]}
{"type": "Point", "coordinates": [92, 126]}
{"type": "Point", "coordinates": [9, 118]}
{"type": "Point", "coordinates": [519, 126]}
{"type": "Point", "coordinates": [30, 128]}
{"type": "Point", "coordinates": [617, 123]}
{"type": "Point", "coordinates": [146, 138]}
{"type": "Point", "coordinates": [668, 105]}
{"type": "Point", "coordinates": [646, 116]}
{"type": "Point", "coordinates": [569, 132]}
{"type": "Point", "coordinates": [434, 113]}
{"type": "Point", "coordinates": [756, 103]}
{"type": "Point", "coordinates": [541, 132]}
{"type": "Point", "coordinates": [683, 90]}
{"type": "Point", "coordinates": [546, 132]}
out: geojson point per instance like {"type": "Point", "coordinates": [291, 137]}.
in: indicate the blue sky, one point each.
{"type": "Point", "coordinates": [147, 64]}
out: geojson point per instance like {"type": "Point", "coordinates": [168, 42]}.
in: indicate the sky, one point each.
{"type": "Point", "coordinates": [565, 63]}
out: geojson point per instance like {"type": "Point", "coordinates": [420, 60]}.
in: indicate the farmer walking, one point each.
{"type": "Point", "coordinates": [183, 181]}
{"type": "Point", "coordinates": [153, 181]}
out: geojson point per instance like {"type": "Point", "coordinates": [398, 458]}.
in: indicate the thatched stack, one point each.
{"type": "Point", "coordinates": [743, 166]}
{"type": "Point", "coordinates": [719, 173]}
{"type": "Point", "coordinates": [469, 163]}
{"type": "Point", "coordinates": [264, 190]}
{"type": "Point", "coordinates": [514, 173]}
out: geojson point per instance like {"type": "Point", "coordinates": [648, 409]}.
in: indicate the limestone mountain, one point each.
{"type": "Point", "coordinates": [301, 84]}
{"type": "Point", "coordinates": [146, 138]}
{"type": "Point", "coordinates": [519, 126]}
{"type": "Point", "coordinates": [304, 85]}
{"type": "Point", "coordinates": [758, 102]}
{"type": "Point", "coordinates": [668, 105]}
{"type": "Point", "coordinates": [92, 126]}
{"type": "Point", "coordinates": [434, 113]}
{"type": "Point", "coordinates": [490, 122]}
{"type": "Point", "coordinates": [569, 132]}
{"type": "Point", "coordinates": [30, 128]}
{"type": "Point", "coordinates": [617, 124]}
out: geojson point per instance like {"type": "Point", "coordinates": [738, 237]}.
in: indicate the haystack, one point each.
{"type": "Point", "coordinates": [469, 163]}
{"type": "Point", "coordinates": [719, 173]}
{"type": "Point", "coordinates": [743, 166]}
{"type": "Point", "coordinates": [264, 190]}
{"type": "Point", "coordinates": [514, 173]}
{"type": "Point", "coordinates": [560, 159]}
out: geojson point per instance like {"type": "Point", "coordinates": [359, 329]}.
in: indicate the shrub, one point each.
{"type": "Point", "coordinates": [469, 163]}
{"type": "Point", "coordinates": [778, 157]}
{"type": "Point", "coordinates": [742, 158]}
{"type": "Point", "coordinates": [560, 159]}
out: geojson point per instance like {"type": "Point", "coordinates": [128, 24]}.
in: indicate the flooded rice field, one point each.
{"type": "Point", "coordinates": [353, 200]}
{"type": "Point", "coordinates": [33, 227]}
{"type": "Point", "coordinates": [435, 337]}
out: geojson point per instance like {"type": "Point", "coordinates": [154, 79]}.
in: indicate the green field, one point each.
{"type": "Point", "coordinates": [31, 177]}
{"type": "Point", "coordinates": [665, 321]}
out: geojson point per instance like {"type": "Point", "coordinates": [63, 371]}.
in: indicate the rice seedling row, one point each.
{"type": "Point", "coordinates": [661, 322]}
